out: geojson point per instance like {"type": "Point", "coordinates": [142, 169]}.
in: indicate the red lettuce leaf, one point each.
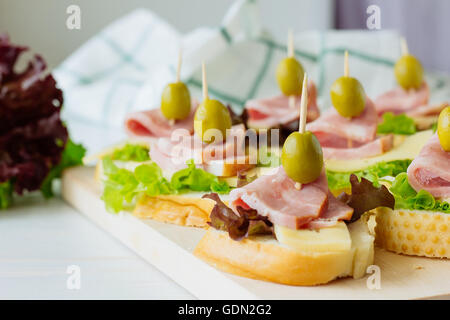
{"type": "Point", "coordinates": [32, 136]}
{"type": "Point", "coordinates": [365, 197]}
{"type": "Point", "coordinates": [238, 118]}
{"type": "Point", "coordinates": [247, 223]}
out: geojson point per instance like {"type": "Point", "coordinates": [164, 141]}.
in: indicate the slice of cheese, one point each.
{"type": "Point", "coordinates": [254, 172]}
{"type": "Point", "coordinates": [362, 234]}
{"type": "Point", "coordinates": [330, 239]}
{"type": "Point", "coordinates": [228, 167]}
{"type": "Point", "coordinates": [409, 149]}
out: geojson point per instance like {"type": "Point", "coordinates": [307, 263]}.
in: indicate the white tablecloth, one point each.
{"type": "Point", "coordinates": [39, 239]}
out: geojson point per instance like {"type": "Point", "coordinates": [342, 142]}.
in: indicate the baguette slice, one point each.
{"type": "Point", "coordinates": [187, 209]}
{"type": "Point", "coordinates": [418, 233]}
{"type": "Point", "coordinates": [184, 210]}
{"type": "Point", "coordinates": [264, 258]}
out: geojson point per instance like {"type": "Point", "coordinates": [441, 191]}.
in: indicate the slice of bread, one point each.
{"type": "Point", "coordinates": [187, 209]}
{"type": "Point", "coordinates": [425, 122]}
{"type": "Point", "coordinates": [184, 210]}
{"type": "Point", "coordinates": [264, 258]}
{"type": "Point", "coordinates": [418, 233]}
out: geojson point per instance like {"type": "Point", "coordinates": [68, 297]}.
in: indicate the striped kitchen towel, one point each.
{"type": "Point", "coordinates": [125, 67]}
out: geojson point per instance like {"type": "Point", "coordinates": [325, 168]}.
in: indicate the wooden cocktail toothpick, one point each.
{"type": "Point", "coordinates": [179, 65]}
{"type": "Point", "coordinates": [404, 46]}
{"type": "Point", "coordinates": [204, 83]}
{"type": "Point", "coordinates": [347, 74]}
{"type": "Point", "coordinates": [290, 53]}
{"type": "Point", "coordinates": [303, 114]}
{"type": "Point", "coordinates": [346, 69]}
{"type": "Point", "coordinates": [178, 78]}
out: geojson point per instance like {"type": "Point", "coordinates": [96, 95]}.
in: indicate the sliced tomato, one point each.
{"type": "Point", "coordinates": [256, 115]}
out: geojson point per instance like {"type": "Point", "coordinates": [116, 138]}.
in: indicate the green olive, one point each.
{"type": "Point", "coordinates": [409, 72]}
{"type": "Point", "coordinates": [290, 76]}
{"type": "Point", "coordinates": [348, 97]}
{"type": "Point", "coordinates": [176, 101]}
{"type": "Point", "coordinates": [211, 114]}
{"type": "Point", "coordinates": [302, 157]}
{"type": "Point", "coordinates": [443, 129]}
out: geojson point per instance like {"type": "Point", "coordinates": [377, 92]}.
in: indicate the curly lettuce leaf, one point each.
{"type": "Point", "coordinates": [341, 180]}
{"type": "Point", "coordinates": [34, 142]}
{"type": "Point", "coordinates": [193, 178]}
{"type": "Point", "coordinates": [123, 186]}
{"type": "Point", "coordinates": [131, 152]}
{"type": "Point", "coordinates": [365, 197]}
{"type": "Point", "coordinates": [398, 124]}
{"type": "Point", "coordinates": [267, 158]}
{"type": "Point", "coordinates": [408, 198]}
{"type": "Point", "coordinates": [6, 190]}
{"type": "Point", "coordinates": [239, 226]}
{"type": "Point", "coordinates": [72, 156]}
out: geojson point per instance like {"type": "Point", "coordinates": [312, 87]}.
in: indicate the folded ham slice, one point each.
{"type": "Point", "coordinates": [276, 197]}
{"type": "Point", "coordinates": [332, 128]}
{"type": "Point", "coordinates": [430, 170]}
{"type": "Point", "coordinates": [369, 149]}
{"type": "Point", "coordinates": [274, 111]}
{"type": "Point", "coordinates": [350, 138]}
{"type": "Point", "coordinates": [172, 153]}
{"type": "Point", "coordinates": [152, 123]}
{"type": "Point", "coordinates": [400, 100]}
{"type": "Point", "coordinates": [336, 211]}
{"type": "Point", "coordinates": [427, 110]}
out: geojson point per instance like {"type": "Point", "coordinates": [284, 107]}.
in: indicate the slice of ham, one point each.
{"type": "Point", "coordinates": [430, 170]}
{"type": "Point", "coordinates": [427, 110]}
{"type": "Point", "coordinates": [152, 123]}
{"type": "Point", "coordinates": [367, 150]}
{"type": "Point", "coordinates": [172, 153]}
{"type": "Point", "coordinates": [276, 197]}
{"type": "Point", "coordinates": [350, 138]}
{"type": "Point", "coordinates": [274, 111]}
{"type": "Point", "coordinates": [400, 100]}
{"type": "Point", "coordinates": [337, 211]}
{"type": "Point", "coordinates": [359, 129]}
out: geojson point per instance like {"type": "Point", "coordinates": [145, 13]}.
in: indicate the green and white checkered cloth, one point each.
{"type": "Point", "coordinates": [125, 67]}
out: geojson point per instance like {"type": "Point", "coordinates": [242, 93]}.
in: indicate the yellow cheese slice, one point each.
{"type": "Point", "coordinates": [362, 244]}
{"type": "Point", "coordinates": [409, 149]}
{"type": "Point", "coordinates": [330, 239]}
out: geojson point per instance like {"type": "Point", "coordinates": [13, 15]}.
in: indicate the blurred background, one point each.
{"type": "Point", "coordinates": [40, 24]}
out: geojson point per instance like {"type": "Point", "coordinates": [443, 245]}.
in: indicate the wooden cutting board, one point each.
{"type": "Point", "coordinates": [169, 248]}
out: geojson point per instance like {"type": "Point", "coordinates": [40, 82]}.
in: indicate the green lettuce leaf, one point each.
{"type": "Point", "coordinates": [408, 198]}
{"type": "Point", "coordinates": [268, 158]}
{"type": "Point", "coordinates": [341, 180]}
{"type": "Point", "coordinates": [123, 186]}
{"type": "Point", "coordinates": [6, 190]}
{"type": "Point", "coordinates": [434, 127]}
{"type": "Point", "coordinates": [398, 124]}
{"type": "Point", "coordinates": [72, 156]}
{"type": "Point", "coordinates": [196, 179]}
{"type": "Point", "coordinates": [131, 152]}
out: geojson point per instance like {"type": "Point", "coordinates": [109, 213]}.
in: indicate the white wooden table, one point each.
{"type": "Point", "coordinates": [39, 239]}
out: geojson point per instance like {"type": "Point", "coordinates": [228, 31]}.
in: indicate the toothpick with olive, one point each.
{"type": "Point", "coordinates": [290, 73]}
{"type": "Point", "coordinates": [347, 94]}
{"type": "Point", "coordinates": [211, 114]}
{"type": "Point", "coordinates": [301, 156]}
{"type": "Point", "coordinates": [408, 70]}
{"type": "Point", "coordinates": [175, 99]}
